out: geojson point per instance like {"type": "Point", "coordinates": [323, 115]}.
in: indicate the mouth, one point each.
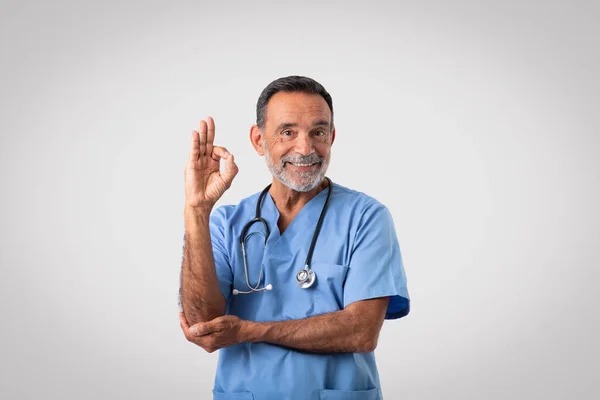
{"type": "Point", "coordinates": [302, 166]}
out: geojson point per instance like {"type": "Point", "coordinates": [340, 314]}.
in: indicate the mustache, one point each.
{"type": "Point", "coordinates": [309, 159]}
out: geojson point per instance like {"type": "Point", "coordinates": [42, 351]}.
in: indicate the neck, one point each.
{"type": "Point", "coordinates": [290, 201]}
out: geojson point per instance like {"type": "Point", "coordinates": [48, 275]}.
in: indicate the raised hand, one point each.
{"type": "Point", "coordinates": [204, 182]}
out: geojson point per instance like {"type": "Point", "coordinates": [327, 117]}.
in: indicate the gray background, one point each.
{"type": "Point", "coordinates": [475, 122]}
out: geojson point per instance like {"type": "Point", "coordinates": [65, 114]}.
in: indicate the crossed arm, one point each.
{"type": "Point", "coordinates": [354, 329]}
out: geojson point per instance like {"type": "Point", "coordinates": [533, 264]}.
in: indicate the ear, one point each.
{"type": "Point", "coordinates": [333, 135]}
{"type": "Point", "coordinates": [256, 139]}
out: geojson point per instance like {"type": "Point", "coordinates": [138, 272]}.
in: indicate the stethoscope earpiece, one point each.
{"type": "Point", "coordinates": [235, 292]}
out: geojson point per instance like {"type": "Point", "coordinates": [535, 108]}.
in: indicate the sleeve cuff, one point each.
{"type": "Point", "coordinates": [398, 307]}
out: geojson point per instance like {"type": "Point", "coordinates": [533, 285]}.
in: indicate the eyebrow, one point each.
{"type": "Point", "coordinates": [284, 125]}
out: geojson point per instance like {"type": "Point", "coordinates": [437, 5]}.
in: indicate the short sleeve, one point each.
{"type": "Point", "coordinates": [376, 268]}
{"type": "Point", "coordinates": [224, 275]}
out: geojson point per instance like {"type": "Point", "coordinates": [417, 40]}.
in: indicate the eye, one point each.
{"type": "Point", "coordinates": [319, 133]}
{"type": "Point", "coordinates": [287, 132]}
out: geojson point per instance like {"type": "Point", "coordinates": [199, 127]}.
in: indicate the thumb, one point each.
{"type": "Point", "coordinates": [194, 330]}
{"type": "Point", "coordinates": [230, 171]}
{"type": "Point", "coordinates": [201, 329]}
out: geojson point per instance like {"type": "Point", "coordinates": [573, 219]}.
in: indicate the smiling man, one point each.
{"type": "Point", "coordinates": [293, 283]}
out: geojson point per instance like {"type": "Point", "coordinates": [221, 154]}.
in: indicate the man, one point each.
{"type": "Point", "coordinates": [248, 288]}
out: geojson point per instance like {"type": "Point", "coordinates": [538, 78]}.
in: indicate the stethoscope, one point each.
{"type": "Point", "coordinates": [305, 277]}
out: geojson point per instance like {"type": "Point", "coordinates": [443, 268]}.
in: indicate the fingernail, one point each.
{"type": "Point", "coordinates": [194, 330]}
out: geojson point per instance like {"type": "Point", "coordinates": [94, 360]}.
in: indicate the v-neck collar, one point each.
{"type": "Point", "coordinates": [271, 214]}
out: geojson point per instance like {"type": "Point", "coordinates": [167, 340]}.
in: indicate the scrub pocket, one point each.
{"type": "Point", "coordinates": [371, 394]}
{"type": "Point", "coordinates": [329, 288]}
{"type": "Point", "coordinates": [233, 396]}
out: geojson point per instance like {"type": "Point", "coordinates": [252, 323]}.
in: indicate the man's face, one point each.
{"type": "Point", "coordinates": [297, 139]}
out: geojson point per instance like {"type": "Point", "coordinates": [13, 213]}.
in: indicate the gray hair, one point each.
{"type": "Point", "coordinates": [293, 83]}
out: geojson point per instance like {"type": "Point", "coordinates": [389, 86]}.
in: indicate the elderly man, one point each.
{"type": "Point", "coordinates": [293, 283]}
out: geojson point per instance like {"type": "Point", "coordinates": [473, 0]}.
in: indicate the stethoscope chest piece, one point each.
{"type": "Point", "coordinates": [305, 278]}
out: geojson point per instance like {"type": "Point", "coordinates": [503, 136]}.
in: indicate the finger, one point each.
{"type": "Point", "coordinates": [219, 153]}
{"type": "Point", "coordinates": [183, 322]}
{"type": "Point", "coordinates": [231, 169]}
{"type": "Point", "coordinates": [210, 135]}
{"type": "Point", "coordinates": [207, 342]}
{"type": "Point", "coordinates": [202, 135]}
{"type": "Point", "coordinates": [195, 148]}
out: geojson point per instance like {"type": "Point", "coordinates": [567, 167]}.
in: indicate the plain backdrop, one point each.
{"type": "Point", "coordinates": [475, 122]}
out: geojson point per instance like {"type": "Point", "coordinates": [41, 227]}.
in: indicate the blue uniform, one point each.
{"type": "Point", "coordinates": [356, 257]}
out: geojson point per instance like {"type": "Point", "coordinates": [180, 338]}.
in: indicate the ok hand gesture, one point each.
{"type": "Point", "coordinates": [204, 182]}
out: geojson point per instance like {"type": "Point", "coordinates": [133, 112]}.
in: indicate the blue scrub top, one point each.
{"type": "Point", "coordinates": [356, 257]}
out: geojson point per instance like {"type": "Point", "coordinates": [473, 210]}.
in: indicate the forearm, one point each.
{"type": "Point", "coordinates": [201, 297]}
{"type": "Point", "coordinates": [336, 332]}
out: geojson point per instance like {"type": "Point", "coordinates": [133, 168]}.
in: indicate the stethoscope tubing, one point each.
{"type": "Point", "coordinates": [305, 277]}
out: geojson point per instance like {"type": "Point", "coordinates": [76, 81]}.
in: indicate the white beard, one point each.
{"type": "Point", "coordinates": [301, 181]}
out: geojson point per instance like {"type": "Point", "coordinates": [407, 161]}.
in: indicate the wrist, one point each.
{"type": "Point", "coordinates": [198, 209]}
{"type": "Point", "coordinates": [196, 214]}
{"type": "Point", "coordinates": [252, 332]}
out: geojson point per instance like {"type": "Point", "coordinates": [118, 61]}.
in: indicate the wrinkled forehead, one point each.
{"type": "Point", "coordinates": [301, 109]}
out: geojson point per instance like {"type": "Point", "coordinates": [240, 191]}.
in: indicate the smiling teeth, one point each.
{"type": "Point", "coordinates": [301, 165]}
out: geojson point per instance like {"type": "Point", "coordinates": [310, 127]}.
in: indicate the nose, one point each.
{"type": "Point", "coordinates": [304, 145]}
